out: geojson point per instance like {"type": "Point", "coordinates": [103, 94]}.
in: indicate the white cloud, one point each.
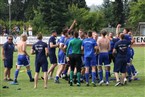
{"type": "Point", "coordinates": [94, 2]}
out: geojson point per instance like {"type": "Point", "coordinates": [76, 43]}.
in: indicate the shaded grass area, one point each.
{"type": "Point", "coordinates": [133, 89]}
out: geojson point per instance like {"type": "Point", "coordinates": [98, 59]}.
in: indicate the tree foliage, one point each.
{"type": "Point", "coordinates": [48, 15]}
{"type": "Point", "coordinates": [79, 3]}
{"type": "Point", "coordinates": [3, 10]}
{"type": "Point", "coordinates": [53, 14]}
{"type": "Point", "coordinates": [137, 13]}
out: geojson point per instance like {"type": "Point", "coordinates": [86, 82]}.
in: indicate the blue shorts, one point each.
{"type": "Point", "coordinates": [61, 58]}
{"type": "Point", "coordinates": [120, 65]}
{"type": "Point", "coordinates": [8, 63]}
{"type": "Point", "coordinates": [52, 58]}
{"type": "Point", "coordinates": [104, 58]}
{"type": "Point", "coordinates": [23, 60]}
{"type": "Point", "coordinates": [44, 66]}
{"type": "Point", "coordinates": [90, 61]}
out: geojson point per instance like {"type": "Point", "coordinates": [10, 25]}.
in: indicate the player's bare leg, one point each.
{"type": "Point", "coordinates": [51, 70]}
{"type": "Point", "coordinates": [36, 80]}
{"type": "Point", "coordinates": [45, 80]}
{"type": "Point", "coordinates": [59, 71]}
{"type": "Point", "coordinates": [9, 74]}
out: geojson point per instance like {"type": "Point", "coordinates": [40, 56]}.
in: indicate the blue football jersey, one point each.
{"type": "Point", "coordinates": [89, 44]}
{"type": "Point", "coordinates": [66, 44]}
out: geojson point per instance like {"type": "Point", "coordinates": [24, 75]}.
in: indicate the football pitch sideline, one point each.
{"type": "Point", "coordinates": [25, 88]}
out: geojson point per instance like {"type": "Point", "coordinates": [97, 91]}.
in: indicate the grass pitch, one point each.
{"type": "Point", "coordinates": [25, 88]}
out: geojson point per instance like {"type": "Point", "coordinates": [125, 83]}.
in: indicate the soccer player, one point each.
{"type": "Point", "coordinates": [82, 36]}
{"type": "Point", "coordinates": [130, 39]}
{"type": "Point", "coordinates": [75, 57]}
{"type": "Point", "coordinates": [111, 57]}
{"type": "Point", "coordinates": [121, 48]}
{"type": "Point", "coordinates": [89, 45]}
{"type": "Point", "coordinates": [133, 70]}
{"type": "Point", "coordinates": [112, 43]}
{"type": "Point", "coordinates": [61, 56]}
{"type": "Point", "coordinates": [70, 37]}
{"type": "Point", "coordinates": [23, 59]}
{"type": "Point", "coordinates": [104, 47]}
{"type": "Point", "coordinates": [41, 51]}
{"type": "Point", "coordinates": [95, 37]}
{"type": "Point", "coordinates": [7, 57]}
{"type": "Point", "coordinates": [52, 55]}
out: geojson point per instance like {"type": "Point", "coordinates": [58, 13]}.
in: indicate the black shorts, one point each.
{"type": "Point", "coordinates": [120, 65]}
{"type": "Point", "coordinates": [52, 58]}
{"type": "Point", "coordinates": [75, 61]}
{"type": "Point", "coordinates": [111, 58]}
{"type": "Point", "coordinates": [8, 63]}
{"type": "Point", "coordinates": [44, 66]}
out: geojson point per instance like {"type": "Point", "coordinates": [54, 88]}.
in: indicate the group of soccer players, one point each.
{"type": "Point", "coordinates": [80, 56]}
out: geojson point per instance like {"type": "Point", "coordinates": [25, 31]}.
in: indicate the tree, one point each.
{"type": "Point", "coordinates": [108, 13]}
{"type": "Point", "coordinates": [4, 15]}
{"type": "Point", "coordinates": [29, 8]}
{"type": "Point", "coordinates": [53, 13]}
{"type": "Point", "coordinates": [76, 13]}
{"type": "Point", "coordinates": [114, 12]}
{"type": "Point", "coordinates": [137, 13]}
{"type": "Point", "coordinates": [17, 10]}
{"type": "Point", "coordinates": [38, 23]}
{"type": "Point", "coordinates": [118, 12]}
{"type": "Point", "coordinates": [85, 19]}
{"type": "Point", "coordinates": [79, 3]}
{"type": "Point", "coordinates": [93, 21]}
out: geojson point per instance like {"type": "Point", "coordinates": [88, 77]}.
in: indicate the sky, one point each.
{"type": "Point", "coordinates": [95, 2]}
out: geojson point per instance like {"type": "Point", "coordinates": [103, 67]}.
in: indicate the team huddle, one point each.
{"type": "Point", "coordinates": [81, 56]}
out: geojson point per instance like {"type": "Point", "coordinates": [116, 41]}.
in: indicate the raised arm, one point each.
{"type": "Point", "coordinates": [118, 29]}
{"type": "Point", "coordinates": [72, 25]}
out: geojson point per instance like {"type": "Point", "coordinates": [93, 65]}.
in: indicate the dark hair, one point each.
{"type": "Point", "coordinates": [71, 32]}
{"type": "Point", "coordinates": [104, 32]}
{"type": "Point", "coordinates": [85, 33]}
{"type": "Point", "coordinates": [10, 36]}
{"type": "Point", "coordinates": [76, 34]}
{"type": "Point", "coordinates": [89, 34]}
{"type": "Point", "coordinates": [39, 36]}
{"type": "Point", "coordinates": [127, 29]}
{"type": "Point", "coordinates": [53, 31]}
{"type": "Point", "coordinates": [122, 36]}
{"type": "Point", "coordinates": [111, 33]}
{"type": "Point", "coordinates": [64, 31]}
